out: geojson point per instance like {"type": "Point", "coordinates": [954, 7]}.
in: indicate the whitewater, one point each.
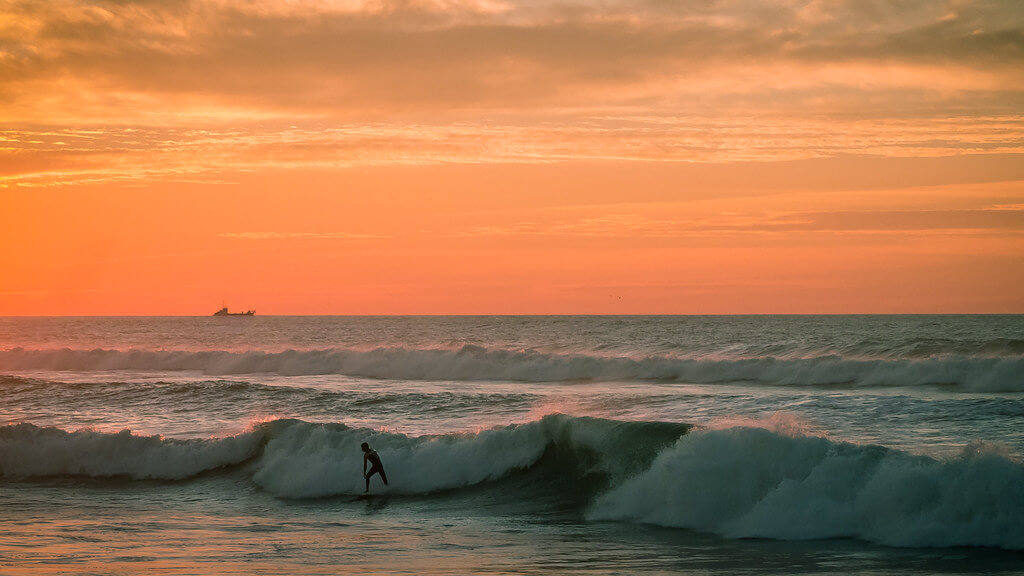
{"type": "Point", "coordinates": [597, 445]}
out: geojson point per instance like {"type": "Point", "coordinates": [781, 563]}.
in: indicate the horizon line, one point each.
{"type": "Point", "coordinates": [527, 315]}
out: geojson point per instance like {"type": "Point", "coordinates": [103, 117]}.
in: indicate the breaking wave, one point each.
{"type": "Point", "coordinates": [750, 482]}
{"type": "Point", "coordinates": [737, 482]}
{"type": "Point", "coordinates": [474, 363]}
{"type": "Point", "coordinates": [292, 458]}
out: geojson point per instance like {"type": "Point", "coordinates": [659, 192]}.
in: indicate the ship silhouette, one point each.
{"type": "Point", "coordinates": [224, 312]}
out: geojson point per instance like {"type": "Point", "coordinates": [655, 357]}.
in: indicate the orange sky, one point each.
{"type": "Point", "coordinates": [419, 157]}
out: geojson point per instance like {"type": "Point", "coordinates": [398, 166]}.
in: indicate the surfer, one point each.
{"type": "Point", "coordinates": [375, 466]}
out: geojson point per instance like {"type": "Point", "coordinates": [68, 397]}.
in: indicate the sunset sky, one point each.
{"type": "Point", "coordinates": [520, 157]}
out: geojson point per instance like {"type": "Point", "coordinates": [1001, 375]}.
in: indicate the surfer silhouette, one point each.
{"type": "Point", "coordinates": [376, 467]}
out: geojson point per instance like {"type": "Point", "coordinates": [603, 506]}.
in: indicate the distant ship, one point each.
{"type": "Point", "coordinates": [224, 312]}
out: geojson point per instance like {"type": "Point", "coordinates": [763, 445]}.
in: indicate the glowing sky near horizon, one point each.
{"type": "Point", "coordinates": [433, 157]}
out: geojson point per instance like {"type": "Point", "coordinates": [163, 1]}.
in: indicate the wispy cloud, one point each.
{"type": "Point", "coordinates": [43, 156]}
{"type": "Point", "coordinates": [1005, 219]}
{"type": "Point", "coordinates": [302, 235]}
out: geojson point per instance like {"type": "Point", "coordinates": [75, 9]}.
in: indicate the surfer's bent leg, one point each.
{"type": "Point", "coordinates": [376, 470]}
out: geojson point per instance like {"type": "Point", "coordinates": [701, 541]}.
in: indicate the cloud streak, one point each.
{"type": "Point", "coordinates": [47, 156]}
{"type": "Point", "coordinates": [999, 220]}
{"type": "Point", "coordinates": [302, 235]}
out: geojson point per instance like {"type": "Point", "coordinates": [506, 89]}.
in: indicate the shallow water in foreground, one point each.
{"type": "Point", "coordinates": [227, 527]}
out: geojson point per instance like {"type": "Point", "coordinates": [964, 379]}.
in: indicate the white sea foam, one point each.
{"type": "Point", "coordinates": [754, 482]}
{"type": "Point", "coordinates": [472, 363]}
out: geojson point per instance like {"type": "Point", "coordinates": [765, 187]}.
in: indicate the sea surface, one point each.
{"type": "Point", "coordinates": [513, 445]}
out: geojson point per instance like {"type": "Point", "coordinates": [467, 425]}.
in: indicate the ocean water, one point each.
{"type": "Point", "coordinates": [513, 445]}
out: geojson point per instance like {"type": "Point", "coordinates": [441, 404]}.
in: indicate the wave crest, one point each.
{"type": "Point", "coordinates": [27, 450]}
{"type": "Point", "coordinates": [474, 363]}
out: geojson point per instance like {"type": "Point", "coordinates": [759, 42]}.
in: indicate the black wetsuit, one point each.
{"type": "Point", "coordinates": [375, 468]}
